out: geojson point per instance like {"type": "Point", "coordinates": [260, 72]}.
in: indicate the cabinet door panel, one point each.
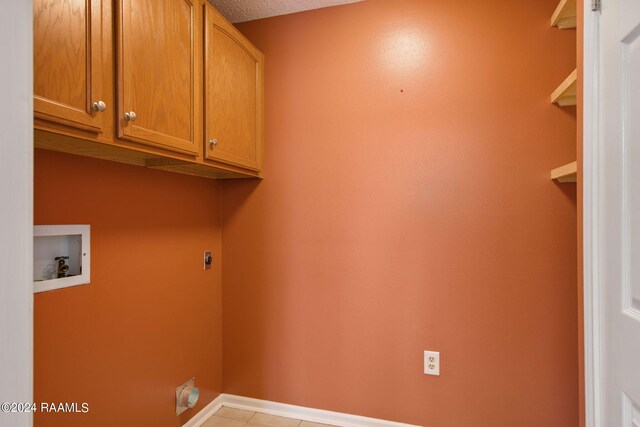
{"type": "Point", "coordinates": [156, 61]}
{"type": "Point", "coordinates": [233, 95]}
{"type": "Point", "coordinates": [67, 42]}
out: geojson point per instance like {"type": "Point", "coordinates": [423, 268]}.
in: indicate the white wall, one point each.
{"type": "Point", "coordinates": [16, 207]}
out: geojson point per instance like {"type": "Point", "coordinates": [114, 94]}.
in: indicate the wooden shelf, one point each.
{"type": "Point", "coordinates": [565, 15]}
{"type": "Point", "coordinates": [566, 173]}
{"type": "Point", "coordinates": [565, 94]}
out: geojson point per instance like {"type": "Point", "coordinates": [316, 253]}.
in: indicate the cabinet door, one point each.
{"type": "Point", "coordinates": [156, 64]}
{"type": "Point", "coordinates": [67, 67]}
{"type": "Point", "coordinates": [233, 88]}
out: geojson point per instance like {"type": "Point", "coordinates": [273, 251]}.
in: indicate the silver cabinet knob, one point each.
{"type": "Point", "coordinates": [130, 116]}
{"type": "Point", "coordinates": [99, 106]}
{"type": "Point", "coordinates": [213, 142]}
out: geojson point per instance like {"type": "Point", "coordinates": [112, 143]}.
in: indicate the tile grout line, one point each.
{"type": "Point", "coordinates": [255, 415]}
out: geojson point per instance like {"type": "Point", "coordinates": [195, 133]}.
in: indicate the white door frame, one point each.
{"type": "Point", "coordinates": [591, 216]}
{"type": "Point", "coordinates": [16, 208]}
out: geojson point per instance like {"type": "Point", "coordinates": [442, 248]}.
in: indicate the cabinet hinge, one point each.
{"type": "Point", "coordinates": [595, 5]}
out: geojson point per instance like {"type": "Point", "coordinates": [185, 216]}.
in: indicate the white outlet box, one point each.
{"type": "Point", "coordinates": [53, 241]}
{"type": "Point", "coordinates": [432, 363]}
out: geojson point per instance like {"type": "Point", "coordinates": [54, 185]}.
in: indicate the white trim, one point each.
{"type": "Point", "coordinates": [206, 412]}
{"type": "Point", "coordinates": [16, 214]}
{"type": "Point", "coordinates": [591, 217]}
{"type": "Point", "coordinates": [290, 411]}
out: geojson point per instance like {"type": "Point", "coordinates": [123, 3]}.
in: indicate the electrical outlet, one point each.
{"type": "Point", "coordinates": [208, 260]}
{"type": "Point", "coordinates": [432, 363]}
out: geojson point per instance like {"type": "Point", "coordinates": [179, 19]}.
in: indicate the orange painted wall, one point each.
{"type": "Point", "coordinates": [406, 206]}
{"type": "Point", "coordinates": [150, 319]}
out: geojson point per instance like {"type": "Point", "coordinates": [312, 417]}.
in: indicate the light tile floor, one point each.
{"type": "Point", "coordinates": [230, 417]}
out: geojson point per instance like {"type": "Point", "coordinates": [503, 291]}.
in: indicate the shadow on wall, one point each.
{"type": "Point", "coordinates": [123, 341]}
{"type": "Point", "coordinates": [236, 194]}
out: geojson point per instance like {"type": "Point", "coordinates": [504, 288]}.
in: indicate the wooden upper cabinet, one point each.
{"type": "Point", "coordinates": [233, 95]}
{"type": "Point", "coordinates": [67, 62]}
{"type": "Point", "coordinates": [125, 80]}
{"type": "Point", "coordinates": [156, 73]}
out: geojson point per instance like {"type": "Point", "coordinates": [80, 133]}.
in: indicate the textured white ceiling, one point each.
{"type": "Point", "coordinates": [248, 10]}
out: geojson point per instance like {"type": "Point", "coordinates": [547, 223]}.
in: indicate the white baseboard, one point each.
{"type": "Point", "coordinates": [198, 419]}
{"type": "Point", "coordinates": [290, 411]}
